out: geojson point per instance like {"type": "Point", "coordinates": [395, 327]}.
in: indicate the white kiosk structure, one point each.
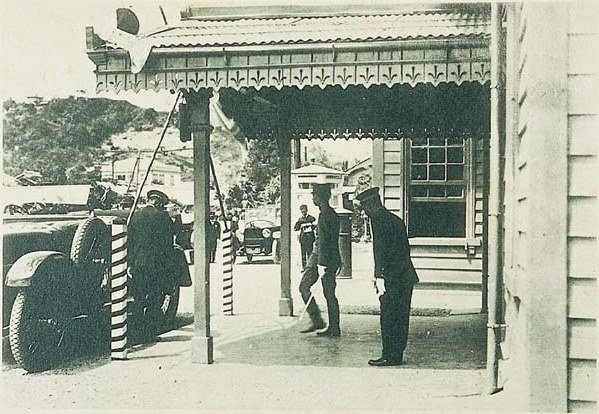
{"type": "Point", "coordinates": [301, 187]}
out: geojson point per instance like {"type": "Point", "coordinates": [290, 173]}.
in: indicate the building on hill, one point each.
{"type": "Point", "coordinates": [132, 170]}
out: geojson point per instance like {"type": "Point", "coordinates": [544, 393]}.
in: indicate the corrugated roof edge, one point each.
{"type": "Point", "coordinates": [315, 41]}
{"type": "Point", "coordinates": [333, 10]}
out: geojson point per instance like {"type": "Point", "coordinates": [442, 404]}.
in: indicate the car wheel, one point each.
{"type": "Point", "coordinates": [91, 242]}
{"type": "Point", "coordinates": [90, 251]}
{"type": "Point", "coordinates": [36, 337]}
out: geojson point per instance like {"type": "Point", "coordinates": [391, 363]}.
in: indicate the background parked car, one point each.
{"type": "Point", "coordinates": [260, 237]}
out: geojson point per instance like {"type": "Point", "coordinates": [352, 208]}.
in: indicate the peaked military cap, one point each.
{"type": "Point", "coordinates": [321, 189]}
{"type": "Point", "coordinates": [368, 195]}
{"type": "Point", "coordinates": [158, 194]}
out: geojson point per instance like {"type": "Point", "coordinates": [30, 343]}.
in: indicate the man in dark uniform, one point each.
{"type": "Point", "coordinates": [305, 226]}
{"type": "Point", "coordinates": [325, 255]}
{"type": "Point", "coordinates": [150, 253]}
{"type": "Point", "coordinates": [393, 265]}
{"type": "Point", "coordinates": [150, 239]}
{"type": "Point", "coordinates": [213, 236]}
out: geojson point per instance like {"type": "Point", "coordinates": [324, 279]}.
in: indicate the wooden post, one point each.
{"type": "Point", "coordinates": [285, 302]}
{"type": "Point", "coordinates": [201, 343]}
{"type": "Point", "coordinates": [297, 153]}
{"type": "Point", "coordinates": [546, 155]}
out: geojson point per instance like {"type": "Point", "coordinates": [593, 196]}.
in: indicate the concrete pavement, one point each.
{"type": "Point", "coordinates": [263, 362]}
{"type": "Point", "coordinates": [269, 365]}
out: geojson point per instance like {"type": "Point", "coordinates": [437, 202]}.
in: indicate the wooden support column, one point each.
{"type": "Point", "coordinates": [297, 153]}
{"type": "Point", "coordinates": [547, 162]}
{"type": "Point", "coordinates": [285, 302]}
{"type": "Point", "coordinates": [201, 343]}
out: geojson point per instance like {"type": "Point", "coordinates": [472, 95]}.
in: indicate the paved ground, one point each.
{"type": "Point", "coordinates": [262, 362]}
{"type": "Point", "coordinates": [268, 365]}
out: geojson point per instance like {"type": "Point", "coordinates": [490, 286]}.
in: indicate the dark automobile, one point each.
{"type": "Point", "coordinates": [260, 237]}
{"type": "Point", "coordinates": [56, 285]}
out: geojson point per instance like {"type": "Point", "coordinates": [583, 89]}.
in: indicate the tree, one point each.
{"type": "Point", "coordinates": [63, 138]}
{"type": "Point", "coordinates": [320, 156]}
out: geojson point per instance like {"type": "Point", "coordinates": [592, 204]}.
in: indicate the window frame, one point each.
{"type": "Point", "coordinates": [468, 197]}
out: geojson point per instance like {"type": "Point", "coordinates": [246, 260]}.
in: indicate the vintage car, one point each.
{"type": "Point", "coordinates": [56, 280]}
{"type": "Point", "coordinates": [260, 237]}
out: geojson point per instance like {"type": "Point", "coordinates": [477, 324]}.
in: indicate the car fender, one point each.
{"type": "Point", "coordinates": [26, 268]}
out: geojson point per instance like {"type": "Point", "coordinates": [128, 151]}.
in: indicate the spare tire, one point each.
{"type": "Point", "coordinates": [91, 242]}
{"type": "Point", "coordinates": [90, 252]}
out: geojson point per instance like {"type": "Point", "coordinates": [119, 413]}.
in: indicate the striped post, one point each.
{"type": "Point", "coordinates": [118, 295]}
{"type": "Point", "coordinates": [227, 273]}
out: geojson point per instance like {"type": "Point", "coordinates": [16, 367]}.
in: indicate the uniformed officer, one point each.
{"type": "Point", "coordinates": [392, 265]}
{"type": "Point", "coordinates": [151, 236]}
{"type": "Point", "coordinates": [326, 256]}
{"type": "Point", "coordinates": [213, 236]}
{"type": "Point", "coordinates": [151, 253]}
{"type": "Point", "coordinates": [305, 225]}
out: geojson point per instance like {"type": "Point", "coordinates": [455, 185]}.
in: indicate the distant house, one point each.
{"type": "Point", "coordinates": [354, 173]}
{"type": "Point", "coordinates": [132, 170]}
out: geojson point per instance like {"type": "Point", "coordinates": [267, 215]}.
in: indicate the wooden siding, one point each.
{"type": "Point", "coordinates": [583, 139]}
{"type": "Point", "coordinates": [393, 175]}
{"type": "Point", "coordinates": [582, 336]}
{"type": "Point", "coordinates": [582, 380]}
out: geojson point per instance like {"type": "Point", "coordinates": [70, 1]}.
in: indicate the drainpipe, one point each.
{"type": "Point", "coordinates": [494, 213]}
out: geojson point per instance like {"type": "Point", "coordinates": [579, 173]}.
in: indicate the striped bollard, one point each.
{"type": "Point", "coordinates": [118, 295]}
{"type": "Point", "coordinates": [227, 273]}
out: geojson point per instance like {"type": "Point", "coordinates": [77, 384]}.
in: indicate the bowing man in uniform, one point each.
{"type": "Point", "coordinates": [393, 266]}
{"type": "Point", "coordinates": [326, 256]}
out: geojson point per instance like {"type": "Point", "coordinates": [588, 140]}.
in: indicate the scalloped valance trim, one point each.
{"type": "Point", "coordinates": [449, 64]}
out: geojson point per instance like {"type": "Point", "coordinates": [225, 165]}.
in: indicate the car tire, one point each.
{"type": "Point", "coordinates": [36, 341]}
{"type": "Point", "coordinates": [90, 251]}
{"type": "Point", "coordinates": [91, 242]}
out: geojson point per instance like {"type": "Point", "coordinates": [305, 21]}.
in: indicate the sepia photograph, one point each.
{"type": "Point", "coordinates": [299, 206]}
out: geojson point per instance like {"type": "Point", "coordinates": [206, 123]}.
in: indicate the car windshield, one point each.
{"type": "Point", "coordinates": [260, 223]}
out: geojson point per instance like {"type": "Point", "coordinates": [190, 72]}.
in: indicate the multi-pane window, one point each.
{"type": "Point", "coordinates": [437, 189]}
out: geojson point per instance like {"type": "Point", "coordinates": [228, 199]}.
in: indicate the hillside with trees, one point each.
{"type": "Point", "coordinates": [62, 138]}
{"type": "Point", "coordinates": [65, 141]}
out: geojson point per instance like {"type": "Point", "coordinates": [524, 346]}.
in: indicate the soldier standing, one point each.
{"type": "Point", "coordinates": [325, 255]}
{"type": "Point", "coordinates": [305, 226]}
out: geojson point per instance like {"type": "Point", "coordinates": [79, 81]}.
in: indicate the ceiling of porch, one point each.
{"type": "Point", "coordinates": [357, 112]}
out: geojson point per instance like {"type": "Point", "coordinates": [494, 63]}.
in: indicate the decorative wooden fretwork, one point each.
{"type": "Point", "coordinates": [385, 133]}
{"type": "Point", "coordinates": [379, 65]}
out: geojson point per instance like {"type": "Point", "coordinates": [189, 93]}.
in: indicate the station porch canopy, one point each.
{"type": "Point", "coordinates": [270, 63]}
